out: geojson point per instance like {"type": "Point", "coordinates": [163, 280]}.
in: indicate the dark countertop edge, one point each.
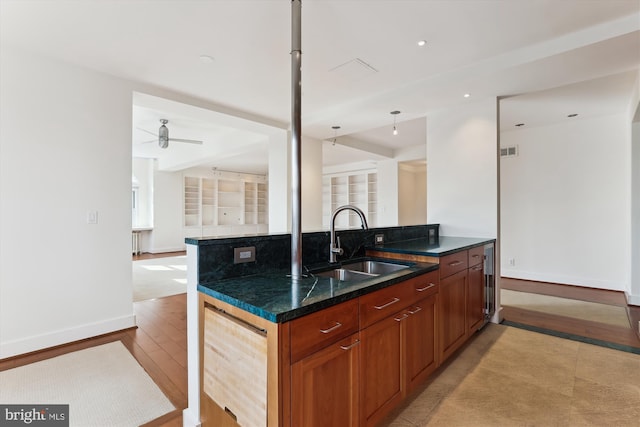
{"type": "Point", "coordinates": [319, 305]}
{"type": "Point", "coordinates": [382, 248]}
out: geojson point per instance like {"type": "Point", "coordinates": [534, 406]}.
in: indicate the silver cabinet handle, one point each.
{"type": "Point", "coordinates": [380, 307]}
{"type": "Point", "coordinates": [331, 329]}
{"type": "Point", "coordinates": [415, 310]}
{"type": "Point", "coordinates": [476, 268]}
{"type": "Point", "coordinates": [400, 319]}
{"type": "Point", "coordinates": [454, 263]}
{"type": "Point", "coordinates": [475, 256]}
{"type": "Point", "coordinates": [348, 347]}
{"type": "Point", "coordinates": [429, 286]}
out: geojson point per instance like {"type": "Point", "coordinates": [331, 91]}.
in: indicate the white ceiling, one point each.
{"type": "Point", "coordinates": [556, 56]}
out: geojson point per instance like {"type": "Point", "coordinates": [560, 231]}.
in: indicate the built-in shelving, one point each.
{"type": "Point", "coordinates": [224, 205]}
{"type": "Point", "coordinates": [352, 188]}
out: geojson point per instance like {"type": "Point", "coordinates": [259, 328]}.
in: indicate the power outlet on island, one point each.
{"type": "Point", "coordinates": [379, 239]}
{"type": "Point", "coordinates": [246, 254]}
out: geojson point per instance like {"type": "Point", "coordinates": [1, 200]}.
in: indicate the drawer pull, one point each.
{"type": "Point", "coordinates": [400, 319]}
{"type": "Point", "coordinates": [475, 256]}
{"type": "Point", "coordinates": [429, 286]}
{"type": "Point", "coordinates": [331, 329]}
{"type": "Point", "coordinates": [477, 267]}
{"type": "Point", "coordinates": [454, 263]}
{"type": "Point", "coordinates": [415, 310]}
{"type": "Point", "coordinates": [349, 347]}
{"type": "Point", "coordinates": [380, 307]}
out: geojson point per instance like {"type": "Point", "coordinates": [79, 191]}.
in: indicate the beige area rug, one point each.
{"type": "Point", "coordinates": [601, 313]}
{"type": "Point", "coordinates": [103, 386]}
{"type": "Point", "coordinates": [513, 377]}
{"type": "Point", "coordinates": [159, 277]}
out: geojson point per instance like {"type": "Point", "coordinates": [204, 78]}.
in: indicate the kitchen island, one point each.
{"type": "Point", "coordinates": [280, 352]}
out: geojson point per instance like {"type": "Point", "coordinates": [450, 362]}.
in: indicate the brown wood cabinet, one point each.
{"type": "Point", "coordinates": [421, 355]}
{"type": "Point", "coordinates": [324, 386]}
{"type": "Point", "coordinates": [347, 365]}
{"type": "Point", "coordinates": [452, 318]}
{"type": "Point", "coordinates": [398, 350]}
{"type": "Point", "coordinates": [475, 290]}
{"type": "Point", "coordinates": [381, 369]}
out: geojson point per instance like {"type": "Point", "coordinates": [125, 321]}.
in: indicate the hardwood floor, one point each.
{"type": "Point", "coordinates": [598, 331]}
{"type": "Point", "coordinates": [159, 343]}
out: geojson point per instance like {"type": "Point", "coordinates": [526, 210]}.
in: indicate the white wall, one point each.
{"type": "Point", "coordinates": [412, 195]}
{"type": "Point", "coordinates": [279, 185]}
{"type": "Point", "coordinates": [65, 138]}
{"type": "Point", "coordinates": [311, 184]}
{"type": "Point", "coordinates": [462, 170]}
{"type": "Point", "coordinates": [387, 193]}
{"type": "Point", "coordinates": [565, 203]}
{"type": "Point", "coordinates": [168, 234]}
{"type": "Point", "coordinates": [143, 172]}
{"type": "Point", "coordinates": [634, 288]}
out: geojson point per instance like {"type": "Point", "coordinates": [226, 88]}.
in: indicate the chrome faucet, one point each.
{"type": "Point", "coordinates": [335, 249]}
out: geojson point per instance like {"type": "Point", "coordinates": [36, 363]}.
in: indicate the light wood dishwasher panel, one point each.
{"type": "Point", "coordinates": [235, 367]}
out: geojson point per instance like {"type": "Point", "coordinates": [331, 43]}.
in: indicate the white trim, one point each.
{"type": "Point", "coordinates": [189, 420]}
{"type": "Point", "coordinates": [40, 342]}
{"type": "Point", "coordinates": [632, 299]}
{"type": "Point", "coordinates": [563, 280]}
{"type": "Point", "coordinates": [164, 250]}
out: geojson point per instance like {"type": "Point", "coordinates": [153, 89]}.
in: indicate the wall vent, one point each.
{"type": "Point", "coordinates": [509, 151]}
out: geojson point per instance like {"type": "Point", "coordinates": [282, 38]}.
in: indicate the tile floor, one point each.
{"type": "Point", "coordinates": [513, 377]}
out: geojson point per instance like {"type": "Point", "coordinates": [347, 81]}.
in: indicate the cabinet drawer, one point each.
{"type": "Point", "coordinates": [385, 302]}
{"type": "Point", "coordinates": [453, 263]}
{"type": "Point", "coordinates": [476, 255]}
{"type": "Point", "coordinates": [315, 331]}
{"type": "Point", "coordinates": [423, 286]}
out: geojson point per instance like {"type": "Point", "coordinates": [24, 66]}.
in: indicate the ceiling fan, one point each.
{"type": "Point", "coordinates": [163, 136]}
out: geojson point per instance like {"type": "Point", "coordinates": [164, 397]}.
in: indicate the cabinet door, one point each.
{"type": "Point", "coordinates": [475, 298]}
{"type": "Point", "coordinates": [452, 322]}
{"type": "Point", "coordinates": [324, 386]}
{"type": "Point", "coordinates": [420, 341]}
{"type": "Point", "coordinates": [380, 368]}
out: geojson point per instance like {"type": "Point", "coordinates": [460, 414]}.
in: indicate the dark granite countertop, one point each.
{"type": "Point", "coordinates": [276, 297]}
{"type": "Point", "coordinates": [446, 245]}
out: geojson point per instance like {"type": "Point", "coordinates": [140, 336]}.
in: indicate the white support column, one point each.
{"type": "Point", "coordinates": [191, 415]}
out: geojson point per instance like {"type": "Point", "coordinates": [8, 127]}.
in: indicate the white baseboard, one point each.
{"type": "Point", "coordinates": [632, 299]}
{"type": "Point", "coordinates": [189, 419]}
{"type": "Point", "coordinates": [164, 250]}
{"type": "Point", "coordinates": [55, 338]}
{"type": "Point", "coordinates": [563, 280]}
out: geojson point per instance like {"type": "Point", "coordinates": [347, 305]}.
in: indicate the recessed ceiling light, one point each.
{"type": "Point", "coordinates": [206, 59]}
{"type": "Point", "coordinates": [466, 95]}
{"type": "Point", "coordinates": [422, 43]}
{"type": "Point", "coordinates": [519, 124]}
{"type": "Point", "coordinates": [572, 115]}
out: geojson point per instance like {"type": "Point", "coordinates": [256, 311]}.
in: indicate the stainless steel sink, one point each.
{"type": "Point", "coordinates": [374, 267]}
{"type": "Point", "coordinates": [362, 270]}
{"type": "Point", "coordinates": [346, 275]}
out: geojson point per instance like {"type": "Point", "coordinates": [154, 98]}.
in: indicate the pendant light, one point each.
{"type": "Point", "coordinates": [395, 114]}
{"type": "Point", "coordinates": [335, 134]}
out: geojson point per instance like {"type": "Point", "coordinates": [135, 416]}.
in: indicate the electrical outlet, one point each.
{"type": "Point", "coordinates": [512, 262]}
{"type": "Point", "coordinates": [92, 217]}
{"type": "Point", "coordinates": [246, 254]}
{"type": "Point", "coordinates": [379, 239]}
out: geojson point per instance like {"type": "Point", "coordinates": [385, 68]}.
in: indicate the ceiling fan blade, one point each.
{"type": "Point", "coordinates": [150, 133]}
{"type": "Point", "coordinates": [151, 140]}
{"type": "Point", "coordinates": [190, 141]}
